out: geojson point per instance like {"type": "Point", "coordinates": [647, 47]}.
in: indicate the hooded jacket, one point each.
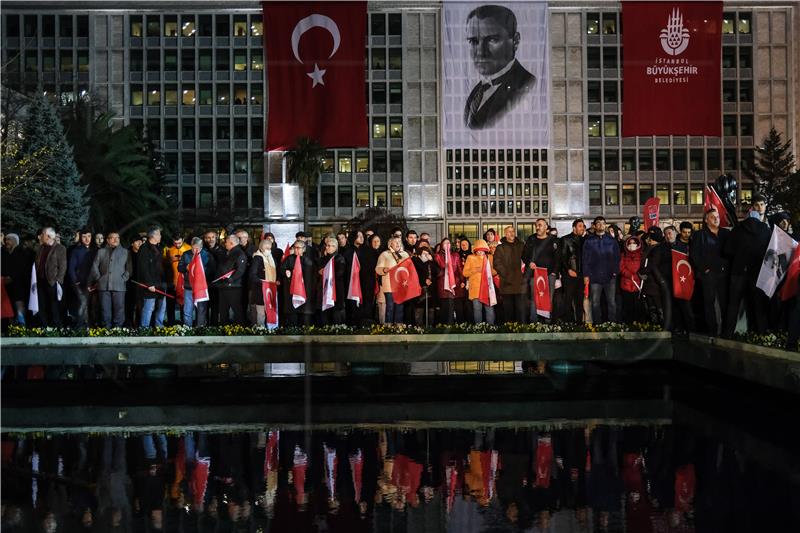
{"type": "Point", "coordinates": [746, 247]}
{"type": "Point", "coordinates": [629, 266]}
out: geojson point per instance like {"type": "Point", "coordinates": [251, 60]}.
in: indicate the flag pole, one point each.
{"type": "Point", "coordinates": [156, 290]}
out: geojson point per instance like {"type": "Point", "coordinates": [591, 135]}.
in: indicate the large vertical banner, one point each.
{"type": "Point", "coordinates": [315, 72]}
{"type": "Point", "coordinates": [495, 75]}
{"type": "Point", "coordinates": [671, 67]}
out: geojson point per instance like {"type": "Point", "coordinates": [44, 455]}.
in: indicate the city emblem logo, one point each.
{"type": "Point", "coordinates": [674, 38]}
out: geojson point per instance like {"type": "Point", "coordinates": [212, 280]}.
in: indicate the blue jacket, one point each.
{"type": "Point", "coordinates": [600, 258]}
{"type": "Point", "coordinates": [79, 266]}
{"type": "Point", "coordinates": [205, 258]}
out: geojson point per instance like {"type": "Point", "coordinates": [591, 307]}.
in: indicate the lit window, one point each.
{"type": "Point", "coordinates": [612, 195]}
{"type": "Point", "coordinates": [610, 126]}
{"type": "Point", "coordinates": [240, 26]}
{"type": "Point", "coordinates": [136, 26]}
{"type": "Point", "coordinates": [397, 196]}
{"type": "Point", "coordinates": [188, 97]}
{"type": "Point", "coordinates": [746, 195]}
{"type": "Point", "coordinates": [240, 94]}
{"type": "Point", "coordinates": [744, 23]}
{"type": "Point", "coordinates": [187, 26]}
{"type": "Point", "coordinates": [609, 23]}
{"type": "Point", "coordinates": [594, 126]}
{"type": "Point", "coordinates": [153, 96]}
{"type": "Point", "coordinates": [396, 128]}
{"type": "Point", "coordinates": [240, 60]}
{"type": "Point", "coordinates": [662, 193]}
{"type": "Point", "coordinates": [629, 194]}
{"type": "Point", "coordinates": [345, 163]}
{"type": "Point", "coordinates": [592, 23]}
{"type": "Point", "coordinates": [378, 128]}
{"type": "Point", "coordinates": [696, 195]}
{"type": "Point", "coordinates": [379, 196]}
{"type": "Point", "coordinates": [728, 21]}
{"type": "Point", "coordinates": [256, 26]}
{"type": "Point", "coordinates": [137, 97]}
{"type": "Point", "coordinates": [256, 60]}
{"type": "Point", "coordinates": [679, 195]}
{"type": "Point", "coordinates": [170, 26]}
{"type": "Point", "coordinates": [362, 196]}
{"type": "Point", "coordinates": [327, 162]}
{"type": "Point", "coordinates": [362, 162]}
{"type": "Point", "coordinates": [170, 95]}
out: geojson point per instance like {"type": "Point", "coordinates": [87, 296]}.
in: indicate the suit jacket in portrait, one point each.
{"type": "Point", "coordinates": [512, 86]}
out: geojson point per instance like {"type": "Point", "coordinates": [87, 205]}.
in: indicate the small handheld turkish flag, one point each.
{"type": "Point", "coordinates": [287, 251]}
{"type": "Point", "coordinates": [354, 287]}
{"type": "Point", "coordinates": [650, 217]}
{"type": "Point", "coordinates": [713, 201]}
{"type": "Point", "coordinates": [315, 71]}
{"type": "Point", "coordinates": [790, 286]}
{"type": "Point", "coordinates": [541, 292]}
{"type": "Point", "coordinates": [328, 286]}
{"type": "Point", "coordinates": [404, 280]}
{"type": "Point", "coordinates": [487, 294]}
{"type": "Point", "coordinates": [269, 289]}
{"type": "Point", "coordinates": [297, 288]}
{"type": "Point", "coordinates": [682, 276]}
{"type": "Point", "coordinates": [197, 279]}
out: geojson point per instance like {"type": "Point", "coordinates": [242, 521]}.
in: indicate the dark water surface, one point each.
{"type": "Point", "coordinates": [637, 449]}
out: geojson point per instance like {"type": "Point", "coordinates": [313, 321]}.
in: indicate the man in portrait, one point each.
{"type": "Point", "coordinates": [493, 40]}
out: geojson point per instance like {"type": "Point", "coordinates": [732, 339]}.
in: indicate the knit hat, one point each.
{"type": "Point", "coordinates": [656, 234]}
{"type": "Point", "coordinates": [480, 246]}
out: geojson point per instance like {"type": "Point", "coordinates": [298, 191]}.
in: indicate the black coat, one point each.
{"type": "Point", "coordinates": [746, 247]}
{"type": "Point", "coordinates": [310, 276]}
{"type": "Point", "coordinates": [218, 253]}
{"type": "Point", "coordinates": [17, 265]}
{"type": "Point", "coordinates": [705, 252]}
{"type": "Point", "coordinates": [657, 267]}
{"type": "Point", "coordinates": [235, 260]}
{"type": "Point", "coordinates": [340, 278]}
{"type": "Point", "coordinates": [543, 252]}
{"type": "Point", "coordinates": [511, 87]}
{"type": "Point", "coordinates": [150, 268]}
{"type": "Point", "coordinates": [369, 260]}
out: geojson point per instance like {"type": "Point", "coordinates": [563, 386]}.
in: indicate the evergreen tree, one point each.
{"type": "Point", "coordinates": [772, 171]}
{"type": "Point", "coordinates": [47, 190]}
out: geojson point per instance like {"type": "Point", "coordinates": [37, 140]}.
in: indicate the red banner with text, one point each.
{"type": "Point", "coordinates": [671, 67]}
{"type": "Point", "coordinates": [315, 72]}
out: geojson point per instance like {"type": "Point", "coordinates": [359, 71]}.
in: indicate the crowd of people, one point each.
{"type": "Point", "coordinates": [600, 478]}
{"type": "Point", "coordinates": [596, 273]}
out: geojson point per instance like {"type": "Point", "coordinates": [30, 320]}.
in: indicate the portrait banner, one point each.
{"type": "Point", "coordinates": [671, 68]}
{"type": "Point", "coordinates": [495, 72]}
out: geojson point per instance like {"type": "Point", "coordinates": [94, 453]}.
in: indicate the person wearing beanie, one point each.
{"type": "Point", "coordinates": [475, 272]}
{"type": "Point", "coordinates": [656, 270]}
{"type": "Point", "coordinates": [630, 282]}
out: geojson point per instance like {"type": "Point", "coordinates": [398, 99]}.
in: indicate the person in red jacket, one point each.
{"type": "Point", "coordinates": [630, 282]}
{"type": "Point", "coordinates": [449, 284]}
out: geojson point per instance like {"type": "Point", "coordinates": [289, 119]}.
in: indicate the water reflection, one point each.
{"type": "Point", "coordinates": [596, 478]}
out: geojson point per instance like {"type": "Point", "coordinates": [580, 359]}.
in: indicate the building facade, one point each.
{"type": "Point", "coordinates": [192, 76]}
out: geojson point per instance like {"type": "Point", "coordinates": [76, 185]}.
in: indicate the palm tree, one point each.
{"type": "Point", "coordinates": [305, 166]}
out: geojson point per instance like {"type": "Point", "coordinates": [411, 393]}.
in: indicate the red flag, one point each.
{"type": "Point", "coordinates": [286, 252]}
{"type": "Point", "coordinates": [356, 470]}
{"type": "Point", "coordinates": [315, 70]}
{"type": "Point", "coordinates": [354, 288]}
{"type": "Point", "coordinates": [404, 281]}
{"type": "Point", "coordinates": [297, 288]}
{"type": "Point", "coordinates": [487, 294]}
{"type": "Point", "coordinates": [331, 466]}
{"type": "Point", "coordinates": [685, 482]}
{"type": "Point", "coordinates": [328, 285]}
{"type": "Point", "coordinates": [299, 467]}
{"type": "Point", "coordinates": [269, 289]}
{"type": "Point", "coordinates": [671, 68]}
{"type": "Point", "coordinates": [682, 276]}
{"type": "Point", "coordinates": [271, 452]}
{"type": "Point", "coordinates": [544, 462]}
{"type": "Point", "coordinates": [791, 283]}
{"type": "Point", "coordinates": [179, 290]}
{"type": "Point", "coordinates": [197, 279]}
{"type": "Point", "coordinates": [200, 480]}
{"type": "Point", "coordinates": [6, 309]}
{"type": "Point", "coordinates": [650, 216]}
{"type": "Point", "coordinates": [541, 292]}
{"type": "Point", "coordinates": [226, 275]}
{"type": "Point", "coordinates": [713, 201]}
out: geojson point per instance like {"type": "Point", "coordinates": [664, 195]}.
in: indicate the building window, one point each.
{"type": "Point", "coordinates": [171, 60]}
{"type": "Point", "coordinates": [378, 59]}
{"type": "Point", "coordinates": [609, 23]}
{"type": "Point", "coordinates": [696, 195]}
{"type": "Point", "coordinates": [396, 162]}
{"type": "Point", "coordinates": [395, 24]}
{"type": "Point", "coordinates": [662, 193]}
{"type": "Point", "coordinates": [137, 97]}
{"type": "Point", "coordinates": [187, 163]}
{"type": "Point", "coordinates": [593, 23]}
{"type": "Point", "coordinates": [679, 159]}
{"type": "Point", "coordinates": [31, 61]}
{"type": "Point", "coordinates": [611, 160]}
{"type": "Point", "coordinates": [595, 160]}
{"type": "Point", "coordinates": [223, 163]}
{"type": "Point", "coordinates": [610, 57]}
{"type": "Point", "coordinates": [223, 26]}
{"type": "Point", "coordinates": [170, 95]}
{"type": "Point", "coordinates": [729, 125]}
{"type": "Point", "coordinates": [396, 93]}
{"type": "Point", "coordinates": [188, 96]}
{"type": "Point", "coordinates": [240, 60]}
{"type": "Point", "coordinates": [65, 28]}
{"type": "Point", "coordinates": [257, 197]}
{"type": "Point", "coordinates": [206, 94]}
{"type": "Point", "coordinates": [240, 25]}
{"type": "Point", "coordinates": [256, 94]}
{"type": "Point", "coordinates": [612, 195]}
{"type": "Point", "coordinates": [379, 128]}
{"type": "Point", "coordinates": [714, 159]}
{"type": "Point", "coordinates": [629, 160]}
{"type": "Point", "coordinates": [256, 26]}
{"type": "Point", "coordinates": [679, 195]}
{"type": "Point", "coordinates": [240, 128]}
{"type": "Point", "coordinates": [610, 126]}
{"type": "Point", "coordinates": [188, 198]}
{"type": "Point", "coordinates": [645, 193]}
{"type": "Point", "coordinates": [48, 60]}
{"type": "Point", "coordinates": [594, 125]}
{"type": "Point", "coordinates": [695, 159]}
{"type": "Point", "coordinates": [240, 163]}
{"type": "Point", "coordinates": [746, 125]}
{"type": "Point", "coordinates": [257, 165]}
{"type": "Point", "coordinates": [328, 196]}
{"type": "Point", "coordinates": [223, 94]}
{"type": "Point", "coordinates": [728, 57]}
{"type": "Point", "coordinates": [224, 197]}
{"type": "Point", "coordinates": [378, 93]}
{"type": "Point", "coordinates": [327, 162]}
{"type": "Point", "coordinates": [746, 91]}
{"type": "Point", "coordinates": [240, 197]}
{"type": "Point", "coordinates": [206, 163]}
{"type": "Point", "coordinates": [395, 58]}
{"type": "Point", "coordinates": [206, 129]}
{"type": "Point", "coordinates": [662, 159]}
{"type": "Point", "coordinates": [362, 162]}
{"type": "Point", "coordinates": [65, 60]}
{"type": "Point", "coordinates": [170, 26]}
{"type": "Point", "coordinates": [153, 60]}
{"type": "Point", "coordinates": [593, 91]}
{"type": "Point", "coordinates": [729, 162]}
{"type": "Point", "coordinates": [205, 60]}
{"type": "Point", "coordinates": [223, 59]}
{"type": "Point", "coordinates": [206, 197]}
{"type": "Point", "coordinates": [136, 25]}
{"type": "Point", "coordinates": [223, 129]}
{"type": "Point", "coordinates": [187, 129]}
{"type": "Point", "coordinates": [397, 196]}
{"type": "Point", "coordinates": [257, 128]}
{"type": "Point", "coordinates": [345, 163]}
{"type": "Point", "coordinates": [628, 194]}
{"type": "Point", "coordinates": [153, 95]}
{"type": "Point", "coordinates": [30, 25]}
{"type": "Point", "coordinates": [728, 23]}
{"type": "Point", "coordinates": [745, 57]}
{"type": "Point", "coordinates": [396, 127]}
{"type": "Point", "coordinates": [137, 63]}
{"type": "Point", "coordinates": [187, 25]}
{"type": "Point", "coordinates": [379, 196]}
{"type": "Point", "coordinates": [378, 23]}
{"type": "Point", "coordinates": [362, 196]}
{"type": "Point", "coordinates": [593, 57]}
{"type": "Point", "coordinates": [744, 23]}
{"type": "Point", "coordinates": [345, 196]}
{"type": "Point", "coordinates": [256, 60]}
{"type": "Point", "coordinates": [379, 162]}
{"type": "Point", "coordinates": [240, 94]}
{"type": "Point", "coordinates": [153, 26]}
{"type": "Point", "coordinates": [187, 60]}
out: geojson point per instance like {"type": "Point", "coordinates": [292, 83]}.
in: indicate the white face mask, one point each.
{"type": "Point", "coordinates": [632, 247]}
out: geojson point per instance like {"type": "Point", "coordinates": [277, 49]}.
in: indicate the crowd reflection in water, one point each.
{"type": "Point", "coordinates": [577, 479]}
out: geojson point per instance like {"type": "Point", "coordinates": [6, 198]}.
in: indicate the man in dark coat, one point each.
{"type": "Point", "coordinates": [600, 261]}
{"type": "Point", "coordinates": [656, 272]}
{"type": "Point", "coordinates": [51, 267]}
{"type": "Point", "coordinates": [571, 251]}
{"type": "Point", "coordinates": [218, 253]}
{"type": "Point", "coordinates": [151, 273]}
{"type": "Point", "coordinates": [230, 288]}
{"type": "Point", "coordinates": [508, 264]}
{"type": "Point", "coordinates": [79, 267]}
{"type": "Point", "coordinates": [16, 269]}
{"type": "Point", "coordinates": [711, 270]}
{"type": "Point", "coordinates": [111, 270]}
{"type": "Point", "coordinates": [745, 248]}
{"type": "Point", "coordinates": [493, 39]}
{"type": "Point", "coordinates": [302, 314]}
{"type": "Point", "coordinates": [541, 251]}
{"type": "Point", "coordinates": [336, 314]}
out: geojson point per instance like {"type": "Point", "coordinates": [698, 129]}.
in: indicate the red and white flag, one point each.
{"type": "Point", "coordinates": [543, 462]}
{"type": "Point", "coordinates": [356, 469]}
{"type": "Point", "coordinates": [331, 466]}
{"type": "Point", "coordinates": [297, 287]}
{"type": "Point", "coordinates": [226, 275]}
{"type": "Point", "coordinates": [682, 276]}
{"type": "Point", "coordinates": [541, 292]}
{"type": "Point", "coordinates": [449, 275]}
{"type": "Point", "coordinates": [271, 452]}
{"type": "Point", "coordinates": [713, 201]}
{"type": "Point", "coordinates": [199, 480]}
{"type": "Point", "coordinates": [404, 281]}
{"type": "Point", "coordinates": [776, 261]}
{"type": "Point", "coordinates": [269, 289]}
{"type": "Point", "coordinates": [354, 287]}
{"type": "Point", "coordinates": [328, 285]}
{"type": "Point", "coordinates": [790, 287]}
{"type": "Point", "coordinates": [487, 294]}
{"type": "Point", "coordinates": [286, 251]}
{"type": "Point", "coordinates": [33, 297]}
{"type": "Point", "coordinates": [650, 215]}
{"type": "Point", "coordinates": [6, 308]}
{"type": "Point", "coordinates": [315, 71]}
{"type": "Point", "coordinates": [299, 468]}
{"type": "Point", "coordinates": [197, 279]}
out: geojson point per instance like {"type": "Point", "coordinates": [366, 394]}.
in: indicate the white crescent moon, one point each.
{"type": "Point", "coordinates": [315, 21]}
{"type": "Point", "coordinates": [683, 262]}
{"type": "Point", "coordinates": [404, 269]}
{"type": "Point", "coordinates": [540, 278]}
{"type": "Point", "coordinates": [269, 297]}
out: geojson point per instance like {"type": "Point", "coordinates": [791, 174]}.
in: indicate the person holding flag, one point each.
{"type": "Point", "coordinates": [232, 270]}
{"type": "Point", "coordinates": [629, 281]}
{"type": "Point", "coordinates": [479, 272]}
{"type": "Point", "coordinates": [449, 283]}
{"type": "Point", "coordinates": [683, 279]}
{"type": "Point", "coordinates": [711, 269]}
{"type": "Point", "coordinates": [354, 304]}
{"type": "Point", "coordinates": [194, 269]}
{"type": "Point", "coordinates": [263, 276]}
{"type": "Point", "coordinates": [332, 283]}
{"type": "Point", "coordinates": [152, 279]}
{"type": "Point", "coordinates": [298, 278]}
{"type": "Point", "coordinates": [386, 262]}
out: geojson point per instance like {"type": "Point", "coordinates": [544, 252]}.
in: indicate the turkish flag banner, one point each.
{"type": "Point", "coordinates": [297, 287]}
{"type": "Point", "coordinates": [672, 68]}
{"type": "Point", "coordinates": [650, 215]}
{"type": "Point", "coordinates": [404, 281]}
{"type": "Point", "coordinates": [269, 289]}
{"type": "Point", "coordinates": [541, 292]}
{"type": "Point", "coordinates": [354, 287]}
{"type": "Point", "coordinates": [315, 72]}
{"type": "Point", "coordinates": [790, 286]}
{"type": "Point", "coordinates": [682, 276]}
{"type": "Point", "coordinates": [197, 280]}
{"type": "Point", "coordinates": [713, 201]}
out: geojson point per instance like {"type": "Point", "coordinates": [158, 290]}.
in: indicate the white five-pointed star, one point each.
{"type": "Point", "coordinates": [683, 279]}
{"type": "Point", "coordinates": [316, 75]}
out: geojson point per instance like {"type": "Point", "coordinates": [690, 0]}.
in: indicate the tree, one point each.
{"type": "Point", "coordinates": [120, 172]}
{"type": "Point", "coordinates": [772, 169]}
{"type": "Point", "coordinates": [378, 219]}
{"type": "Point", "coordinates": [305, 166]}
{"type": "Point", "coordinates": [41, 183]}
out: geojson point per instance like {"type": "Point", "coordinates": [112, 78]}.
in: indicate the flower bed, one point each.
{"type": "Point", "coordinates": [377, 329]}
{"type": "Point", "coordinates": [773, 339]}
